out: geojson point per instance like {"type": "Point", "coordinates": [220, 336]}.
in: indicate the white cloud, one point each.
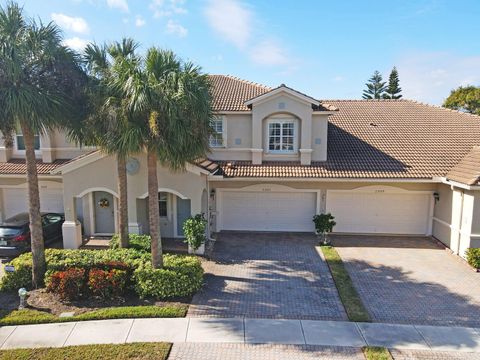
{"type": "Point", "coordinates": [167, 8]}
{"type": "Point", "coordinates": [429, 76]}
{"type": "Point", "coordinates": [175, 28]}
{"type": "Point", "coordinates": [231, 20]}
{"type": "Point", "coordinates": [75, 24]}
{"type": "Point", "coordinates": [118, 4]}
{"type": "Point", "coordinates": [139, 21]}
{"type": "Point", "coordinates": [338, 78]}
{"type": "Point", "coordinates": [76, 43]}
{"type": "Point", "coordinates": [269, 53]}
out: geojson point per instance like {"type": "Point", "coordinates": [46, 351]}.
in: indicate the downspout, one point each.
{"type": "Point", "coordinates": [208, 209]}
{"type": "Point", "coordinates": [459, 239]}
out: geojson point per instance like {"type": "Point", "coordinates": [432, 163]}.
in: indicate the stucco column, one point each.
{"type": "Point", "coordinates": [306, 140]}
{"type": "Point", "coordinates": [5, 152]}
{"type": "Point", "coordinates": [48, 154]}
{"type": "Point", "coordinates": [257, 130]}
{"type": "Point", "coordinates": [71, 228]}
{"type": "Point", "coordinates": [134, 227]}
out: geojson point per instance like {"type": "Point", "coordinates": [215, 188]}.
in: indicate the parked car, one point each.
{"type": "Point", "coordinates": [15, 233]}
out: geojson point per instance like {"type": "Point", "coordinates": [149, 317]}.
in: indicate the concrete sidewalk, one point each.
{"type": "Point", "coordinates": [243, 331]}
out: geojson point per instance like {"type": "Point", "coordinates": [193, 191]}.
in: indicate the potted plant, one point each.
{"type": "Point", "coordinates": [194, 229]}
{"type": "Point", "coordinates": [324, 224]}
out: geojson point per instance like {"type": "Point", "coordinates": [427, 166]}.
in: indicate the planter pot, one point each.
{"type": "Point", "coordinates": [199, 251]}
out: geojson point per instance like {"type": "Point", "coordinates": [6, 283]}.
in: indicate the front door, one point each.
{"type": "Point", "coordinates": [104, 212]}
{"type": "Point", "coordinates": [183, 213]}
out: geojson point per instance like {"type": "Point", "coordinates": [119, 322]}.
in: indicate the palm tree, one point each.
{"type": "Point", "coordinates": [40, 87]}
{"type": "Point", "coordinates": [105, 120]}
{"type": "Point", "coordinates": [168, 106]}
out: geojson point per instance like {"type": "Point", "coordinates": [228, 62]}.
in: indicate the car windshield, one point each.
{"type": "Point", "coordinates": [9, 231]}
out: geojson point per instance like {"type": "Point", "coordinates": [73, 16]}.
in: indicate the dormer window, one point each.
{"type": "Point", "coordinates": [281, 136]}
{"type": "Point", "coordinates": [19, 143]}
{"type": "Point", "coordinates": [217, 137]}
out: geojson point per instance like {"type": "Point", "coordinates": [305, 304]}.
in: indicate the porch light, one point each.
{"type": "Point", "coordinates": [436, 196]}
{"type": "Point", "coordinates": [22, 294]}
{"type": "Point", "coordinates": [212, 193]}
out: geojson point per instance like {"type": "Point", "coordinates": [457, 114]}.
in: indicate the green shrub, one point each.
{"type": "Point", "coordinates": [107, 283]}
{"type": "Point", "coordinates": [137, 242]}
{"type": "Point", "coordinates": [68, 284]}
{"type": "Point", "coordinates": [181, 276]}
{"type": "Point", "coordinates": [59, 260]}
{"type": "Point", "coordinates": [473, 257]}
{"type": "Point", "coordinates": [194, 229]}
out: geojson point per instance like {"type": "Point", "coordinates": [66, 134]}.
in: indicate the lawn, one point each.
{"type": "Point", "coordinates": [354, 307]}
{"type": "Point", "coordinates": [143, 351]}
{"type": "Point", "coordinates": [29, 316]}
{"type": "Point", "coordinates": [376, 353]}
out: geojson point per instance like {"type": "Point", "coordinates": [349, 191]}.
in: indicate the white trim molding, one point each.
{"type": "Point", "coordinates": [167, 190]}
{"type": "Point", "coordinates": [93, 189]}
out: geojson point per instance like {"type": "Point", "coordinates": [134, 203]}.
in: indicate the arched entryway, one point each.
{"type": "Point", "coordinates": [97, 210]}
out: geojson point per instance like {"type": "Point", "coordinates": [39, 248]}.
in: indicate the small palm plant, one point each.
{"type": "Point", "coordinates": [324, 224]}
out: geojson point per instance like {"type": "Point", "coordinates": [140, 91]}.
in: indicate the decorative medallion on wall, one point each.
{"type": "Point", "coordinates": [104, 203]}
{"type": "Point", "coordinates": [133, 165]}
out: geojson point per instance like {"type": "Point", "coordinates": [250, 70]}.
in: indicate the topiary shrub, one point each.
{"type": "Point", "coordinates": [181, 276]}
{"type": "Point", "coordinates": [473, 257]}
{"type": "Point", "coordinates": [107, 283]}
{"type": "Point", "coordinates": [137, 242]}
{"type": "Point", "coordinates": [68, 284]}
{"type": "Point", "coordinates": [194, 229]}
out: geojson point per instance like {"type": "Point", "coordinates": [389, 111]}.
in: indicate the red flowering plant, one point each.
{"type": "Point", "coordinates": [68, 284]}
{"type": "Point", "coordinates": [107, 283]}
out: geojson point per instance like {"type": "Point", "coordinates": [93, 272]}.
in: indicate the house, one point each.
{"type": "Point", "coordinates": [278, 157]}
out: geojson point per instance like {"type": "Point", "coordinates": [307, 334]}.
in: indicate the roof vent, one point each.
{"type": "Point", "coordinates": [373, 124]}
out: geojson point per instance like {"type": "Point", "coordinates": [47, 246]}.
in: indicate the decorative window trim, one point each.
{"type": "Point", "coordinates": [18, 151]}
{"type": "Point", "coordinates": [282, 120]}
{"type": "Point", "coordinates": [214, 142]}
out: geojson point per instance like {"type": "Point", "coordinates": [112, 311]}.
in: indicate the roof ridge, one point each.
{"type": "Point", "coordinates": [442, 108]}
{"type": "Point", "coordinates": [363, 100]}
{"type": "Point", "coordinates": [248, 82]}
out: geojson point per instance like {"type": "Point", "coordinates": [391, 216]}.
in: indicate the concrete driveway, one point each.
{"type": "Point", "coordinates": [411, 280]}
{"type": "Point", "coordinates": [267, 275]}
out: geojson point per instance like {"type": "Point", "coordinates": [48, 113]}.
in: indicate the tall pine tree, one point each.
{"type": "Point", "coordinates": [393, 89]}
{"type": "Point", "coordinates": [375, 87]}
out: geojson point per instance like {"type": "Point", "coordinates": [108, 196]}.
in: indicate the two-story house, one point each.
{"type": "Point", "coordinates": [278, 157]}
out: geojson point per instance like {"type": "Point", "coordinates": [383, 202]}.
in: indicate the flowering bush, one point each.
{"type": "Point", "coordinates": [107, 283]}
{"type": "Point", "coordinates": [473, 257]}
{"type": "Point", "coordinates": [68, 284]}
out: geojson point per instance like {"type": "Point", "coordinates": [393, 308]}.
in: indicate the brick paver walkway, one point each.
{"type": "Point", "coordinates": [411, 280]}
{"type": "Point", "coordinates": [191, 351]}
{"type": "Point", "coordinates": [432, 355]}
{"type": "Point", "coordinates": [267, 275]}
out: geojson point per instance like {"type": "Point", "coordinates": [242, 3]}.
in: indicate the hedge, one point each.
{"type": "Point", "coordinates": [137, 242]}
{"type": "Point", "coordinates": [473, 257]}
{"type": "Point", "coordinates": [181, 276]}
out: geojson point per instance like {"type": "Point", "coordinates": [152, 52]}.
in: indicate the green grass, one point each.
{"type": "Point", "coordinates": [29, 316]}
{"type": "Point", "coordinates": [376, 353]}
{"type": "Point", "coordinates": [348, 294]}
{"type": "Point", "coordinates": [143, 351]}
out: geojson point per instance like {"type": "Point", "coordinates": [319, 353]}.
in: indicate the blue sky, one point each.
{"type": "Point", "coordinates": [327, 49]}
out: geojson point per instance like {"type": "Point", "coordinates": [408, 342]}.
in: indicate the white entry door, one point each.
{"type": "Point", "coordinates": [380, 212]}
{"type": "Point", "coordinates": [15, 201]}
{"type": "Point", "coordinates": [266, 211]}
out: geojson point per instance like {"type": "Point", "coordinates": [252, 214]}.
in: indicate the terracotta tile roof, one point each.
{"type": "Point", "coordinates": [19, 167]}
{"type": "Point", "coordinates": [382, 139]}
{"type": "Point", "coordinates": [230, 93]}
{"type": "Point", "coordinates": [467, 171]}
{"type": "Point", "coordinates": [207, 164]}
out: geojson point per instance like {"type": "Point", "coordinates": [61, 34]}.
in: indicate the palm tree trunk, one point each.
{"type": "Point", "coordinates": [153, 210]}
{"type": "Point", "coordinates": [36, 232]}
{"type": "Point", "coordinates": [123, 202]}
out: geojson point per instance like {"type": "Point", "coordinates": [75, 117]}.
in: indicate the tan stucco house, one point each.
{"type": "Point", "coordinates": [277, 158]}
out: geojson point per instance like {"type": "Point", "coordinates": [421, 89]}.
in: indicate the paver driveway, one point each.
{"type": "Point", "coordinates": [411, 280]}
{"type": "Point", "coordinates": [267, 275]}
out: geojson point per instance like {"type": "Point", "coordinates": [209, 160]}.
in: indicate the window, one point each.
{"type": "Point", "coordinates": [281, 136]}
{"type": "Point", "coordinates": [216, 138]}
{"type": "Point", "coordinates": [20, 144]}
{"type": "Point", "coordinates": [163, 204]}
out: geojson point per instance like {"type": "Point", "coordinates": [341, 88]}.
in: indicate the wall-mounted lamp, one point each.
{"type": "Point", "coordinates": [436, 196]}
{"type": "Point", "coordinates": [212, 193]}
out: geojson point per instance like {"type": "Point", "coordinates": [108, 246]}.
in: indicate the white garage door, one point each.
{"type": "Point", "coordinates": [15, 201]}
{"type": "Point", "coordinates": [382, 212]}
{"type": "Point", "coordinates": [267, 211]}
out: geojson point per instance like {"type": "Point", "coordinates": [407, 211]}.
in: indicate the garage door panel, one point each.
{"type": "Point", "coordinates": [267, 211]}
{"type": "Point", "coordinates": [15, 201]}
{"type": "Point", "coordinates": [389, 213]}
